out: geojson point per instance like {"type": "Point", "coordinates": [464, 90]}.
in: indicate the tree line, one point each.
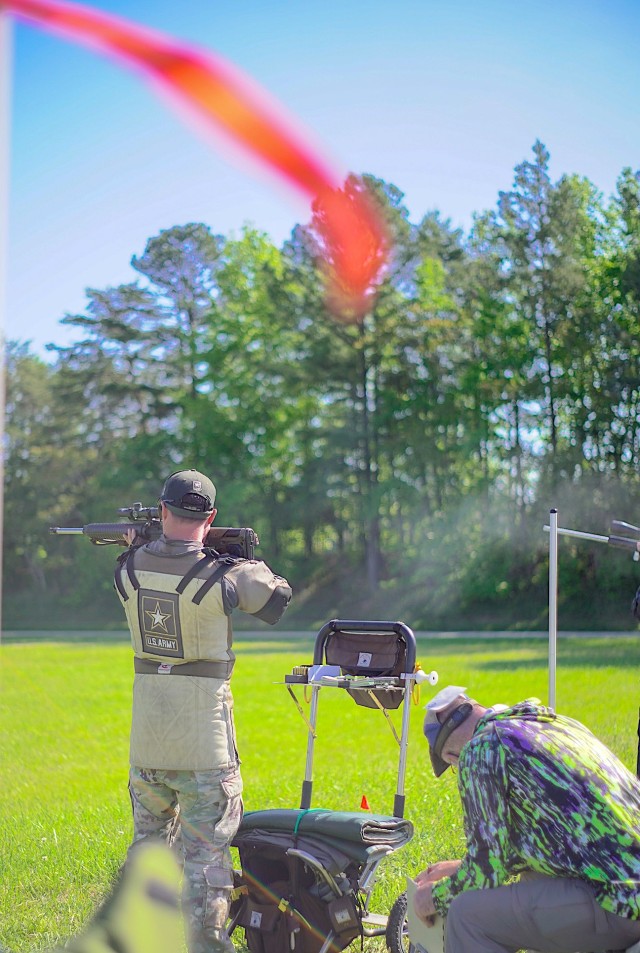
{"type": "Point", "coordinates": [403, 465]}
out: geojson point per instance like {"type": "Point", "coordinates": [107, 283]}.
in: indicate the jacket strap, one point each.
{"type": "Point", "coordinates": [223, 567]}
{"type": "Point", "coordinates": [194, 570]}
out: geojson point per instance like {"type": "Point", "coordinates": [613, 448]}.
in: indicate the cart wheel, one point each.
{"type": "Point", "coordinates": [397, 935]}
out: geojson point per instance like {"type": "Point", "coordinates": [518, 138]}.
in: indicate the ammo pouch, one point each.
{"type": "Point", "coordinates": [265, 925]}
{"type": "Point", "coordinates": [344, 915]}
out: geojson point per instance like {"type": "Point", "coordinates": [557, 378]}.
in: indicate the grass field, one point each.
{"type": "Point", "coordinates": [64, 721]}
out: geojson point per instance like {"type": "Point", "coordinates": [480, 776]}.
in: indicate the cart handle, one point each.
{"type": "Point", "coordinates": [351, 625]}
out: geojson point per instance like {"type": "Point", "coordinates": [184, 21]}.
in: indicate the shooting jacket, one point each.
{"type": "Point", "coordinates": [540, 792]}
{"type": "Point", "coordinates": [178, 599]}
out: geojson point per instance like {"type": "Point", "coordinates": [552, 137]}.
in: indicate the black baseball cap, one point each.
{"type": "Point", "coordinates": [189, 494]}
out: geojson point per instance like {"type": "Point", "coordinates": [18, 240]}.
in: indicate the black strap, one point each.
{"type": "Point", "coordinates": [205, 668]}
{"type": "Point", "coordinates": [223, 567]}
{"type": "Point", "coordinates": [133, 579]}
{"type": "Point", "coordinates": [117, 576]}
{"type": "Point", "coordinates": [209, 559]}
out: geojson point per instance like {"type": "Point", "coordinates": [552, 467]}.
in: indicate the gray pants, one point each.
{"type": "Point", "coordinates": [546, 914]}
{"type": "Point", "coordinates": [203, 809]}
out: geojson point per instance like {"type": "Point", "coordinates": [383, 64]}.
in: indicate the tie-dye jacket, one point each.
{"type": "Point", "coordinates": [540, 792]}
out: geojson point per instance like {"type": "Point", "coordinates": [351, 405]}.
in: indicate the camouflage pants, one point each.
{"type": "Point", "coordinates": [199, 812]}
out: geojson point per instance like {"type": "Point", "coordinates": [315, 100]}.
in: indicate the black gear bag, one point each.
{"type": "Point", "coordinates": [295, 893]}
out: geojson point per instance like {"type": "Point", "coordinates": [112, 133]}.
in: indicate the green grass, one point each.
{"type": "Point", "coordinates": [64, 720]}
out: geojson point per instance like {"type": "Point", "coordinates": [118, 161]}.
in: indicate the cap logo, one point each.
{"type": "Point", "coordinates": [197, 484]}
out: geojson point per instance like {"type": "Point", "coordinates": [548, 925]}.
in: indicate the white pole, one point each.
{"type": "Point", "coordinates": [553, 603]}
{"type": "Point", "coordinates": [5, 149]}
{"type": "Point", "coordinates": [577, 534]}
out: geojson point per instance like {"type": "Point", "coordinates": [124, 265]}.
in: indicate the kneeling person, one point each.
{"type": "Point", "coordinates": [544, 798]}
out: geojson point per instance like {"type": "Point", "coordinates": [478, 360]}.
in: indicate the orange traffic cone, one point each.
{"type": "Point", "coordinates": [364, 804]}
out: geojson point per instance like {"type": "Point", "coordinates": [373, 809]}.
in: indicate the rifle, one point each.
{"type": "Point", "coordinates": [226, 540]}
{"type": "Point", "coordinates": [630, 538]}
{"type": "Point", "coordinates": [623, 536]}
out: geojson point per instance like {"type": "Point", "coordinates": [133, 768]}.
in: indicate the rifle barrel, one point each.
{"type": "Point", "coordinates": [579, 535]}
{"type": "Point", "coordinates": [107, 532]}
{"type": "Point", "coordinates": [625, 543]}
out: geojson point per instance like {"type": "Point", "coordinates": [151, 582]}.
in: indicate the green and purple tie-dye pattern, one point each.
{"type": "Point", "coordinates": [540, 792]}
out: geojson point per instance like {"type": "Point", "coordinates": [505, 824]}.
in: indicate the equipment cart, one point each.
{"type": "Point", "coordinates": [307, 874]}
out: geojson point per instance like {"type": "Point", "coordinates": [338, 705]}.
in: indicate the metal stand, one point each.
{"type": "Point", "coordinates": [629, 541]}
{"type": "Point", "coordinates": [353, 673]}
{"type": "Point", "coordinates": [554, 531]}
{"type": "Point", "coordinates": [553, 603]}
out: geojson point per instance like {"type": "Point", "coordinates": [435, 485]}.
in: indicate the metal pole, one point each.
{"type": "Point", "coordinates": [578, 535]}
{"type": "Point", "coordinates": [553, 603]}
{"type": "Point", "coordinates": [5, 150]}
{"type": "Point", "coordinates": [398, 803]}
{"type": "Point", "coordinates": [307, 784]}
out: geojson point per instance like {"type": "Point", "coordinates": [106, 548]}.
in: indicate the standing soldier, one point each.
{"type": "Point", "coordinates": [178, 597]}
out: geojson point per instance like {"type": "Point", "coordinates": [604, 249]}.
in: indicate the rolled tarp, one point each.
{"type": "Point", "coordinates": [353, 826]}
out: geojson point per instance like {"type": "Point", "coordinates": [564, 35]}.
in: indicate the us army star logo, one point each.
{"type": "Point", "coordinates": [158, 618]}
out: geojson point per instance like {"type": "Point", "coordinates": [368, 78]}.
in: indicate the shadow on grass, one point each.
{"type": "Point", "coordinates": [41, 635]}
{"type": "Point", "coordinates": [525, 653]}
{"type": "Point", "coordinates": [575, 653]}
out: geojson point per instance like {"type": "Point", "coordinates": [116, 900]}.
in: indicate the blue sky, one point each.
{"type": "Point", "coordinates": [441, 97]}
